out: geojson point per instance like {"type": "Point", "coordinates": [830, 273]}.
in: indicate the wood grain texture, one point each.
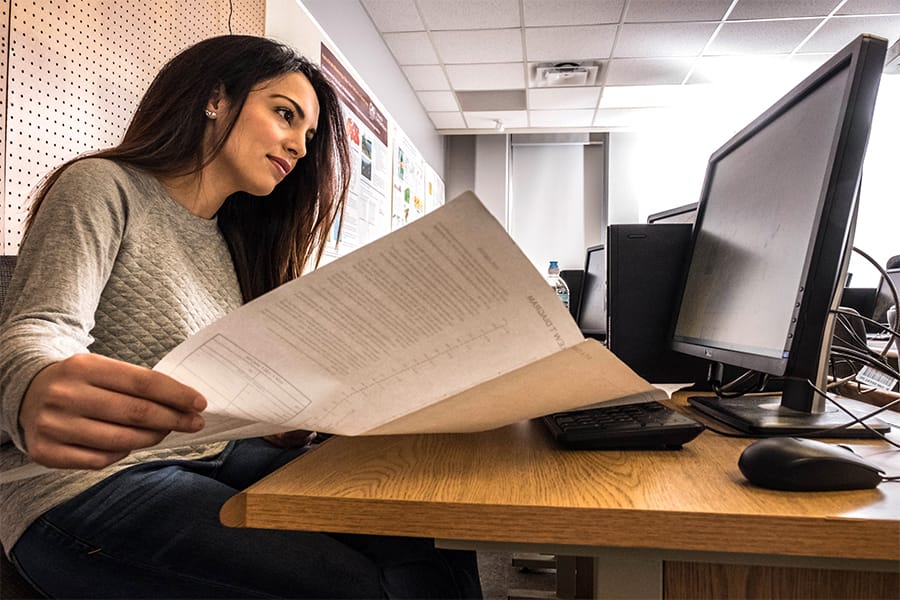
{"type": "Point", "coordinates": [701, 581]}
{"type": "Point", "coordinates": [515, 485]}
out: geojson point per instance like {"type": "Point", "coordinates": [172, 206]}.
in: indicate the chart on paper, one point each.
{"type": "Point", "coordinates": [233, 381]}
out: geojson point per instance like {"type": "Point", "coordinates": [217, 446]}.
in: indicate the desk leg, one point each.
{"type": "Point", "coordinates": [628, 574]}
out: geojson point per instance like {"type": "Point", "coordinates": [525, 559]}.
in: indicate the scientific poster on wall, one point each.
{"type": "Point", "coordinates": [408, 182]}
{"type": "Point", "coordinates": [434, 189]}
{"type": "Point", "coordinates": [367, 213]}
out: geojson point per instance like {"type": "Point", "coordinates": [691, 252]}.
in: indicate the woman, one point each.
{"type": "Point", "coordinates": [225, 185]}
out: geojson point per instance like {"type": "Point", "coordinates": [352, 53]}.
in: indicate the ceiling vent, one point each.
{"type": "Point", "coordinates": [565, 74]}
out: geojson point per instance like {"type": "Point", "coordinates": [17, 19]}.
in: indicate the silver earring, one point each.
{"type": "Point", "coordinates": [210, 114]}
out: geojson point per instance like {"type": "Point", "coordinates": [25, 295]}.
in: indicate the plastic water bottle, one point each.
{"type": "Point", "coordinates": [558, 283]}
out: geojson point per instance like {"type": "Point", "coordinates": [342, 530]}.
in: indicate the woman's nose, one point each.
{"type": "Point", "coordinates": [296, 146]}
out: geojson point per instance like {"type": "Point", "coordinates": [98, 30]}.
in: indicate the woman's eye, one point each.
{"type": "Point", "coordinates": [286, 114]}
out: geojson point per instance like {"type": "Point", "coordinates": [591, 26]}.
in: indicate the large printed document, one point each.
{"type": "Point", "coordinates": [441, 326]}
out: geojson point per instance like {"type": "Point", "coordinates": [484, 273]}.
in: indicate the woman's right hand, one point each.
{"type": "Point", "coordinates": [88, 411]}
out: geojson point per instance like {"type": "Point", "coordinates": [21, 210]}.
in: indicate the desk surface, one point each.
{"type": "Point", "coordinates": [514, 485]}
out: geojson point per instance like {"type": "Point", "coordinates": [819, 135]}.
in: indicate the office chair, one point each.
{"type": "Point", "coordinates": [12, 584]}
{"type": "Point", "coordinates": [893, 262]}
{"type": "Point", "coordinates": [7, 264]}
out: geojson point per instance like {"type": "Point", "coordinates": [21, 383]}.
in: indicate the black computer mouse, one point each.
{"type": "Point", "coordinates": [795, 464]}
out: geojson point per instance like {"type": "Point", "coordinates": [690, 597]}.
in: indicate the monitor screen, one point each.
{"type": "Point", "coordinates": [771, 235]}
{"type": "Point", "coordinates": [591, 317]}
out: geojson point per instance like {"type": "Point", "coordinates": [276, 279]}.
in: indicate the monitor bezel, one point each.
{"type": "Point", "coordinates": [829, 247]}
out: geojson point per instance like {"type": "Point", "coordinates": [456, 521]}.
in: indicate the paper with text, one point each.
{"type": "Point", "coordinates": [439, 307]}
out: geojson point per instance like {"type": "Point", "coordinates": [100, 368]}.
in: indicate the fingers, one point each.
{"type": "Point", "coordinates": [89, 411]}
{"type": "Point", "coordinates": [137, 381]}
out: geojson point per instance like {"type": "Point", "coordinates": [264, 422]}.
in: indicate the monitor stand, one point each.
{"type": "Point", "coordinates": [765, 415]}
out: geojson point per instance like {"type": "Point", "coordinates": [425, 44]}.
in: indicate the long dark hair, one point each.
{"type": "Point", "coordinates": [272, 239]}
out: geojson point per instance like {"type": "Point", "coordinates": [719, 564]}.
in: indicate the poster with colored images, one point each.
{"type": "Point", "coordinates": [367, 212]}
{"type": "Point", "coordinates": [408, 183]}
{"type": "Point", "coordinates": [434, 189]}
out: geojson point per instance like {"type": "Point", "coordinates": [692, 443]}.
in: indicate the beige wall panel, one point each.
{"type": "Point", "coordinates": [76, 71]}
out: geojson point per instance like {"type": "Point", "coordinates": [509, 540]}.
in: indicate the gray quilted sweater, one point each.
{"type": "Point", "coordinates": [112, 265]}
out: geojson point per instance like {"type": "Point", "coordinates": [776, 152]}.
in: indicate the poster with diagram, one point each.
{"type": "Point", "coordinates": [408, 182]}
{"type": "Point", "coordinates": [367, 213]}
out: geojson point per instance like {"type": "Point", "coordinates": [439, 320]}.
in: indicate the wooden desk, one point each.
{"type": "Point", "coordinates": [659, 522]}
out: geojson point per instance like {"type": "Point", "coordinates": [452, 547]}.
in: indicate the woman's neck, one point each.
{"type": "Point", "coordinates": [195, 193]}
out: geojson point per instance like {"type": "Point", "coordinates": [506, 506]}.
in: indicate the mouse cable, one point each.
{"type": "Point", "coordinates": [856, 355]}
{"type": "Point", "coordinates": [854, 419]}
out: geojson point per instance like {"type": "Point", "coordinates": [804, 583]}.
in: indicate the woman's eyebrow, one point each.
{"type": "Point", "coordinates": [297, 108]}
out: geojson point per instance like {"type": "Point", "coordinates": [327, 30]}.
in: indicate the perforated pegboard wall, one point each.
{"type": "Point", "coordinates": [4, 52]}
{"type": "Point", "coordinates": [76, 71]}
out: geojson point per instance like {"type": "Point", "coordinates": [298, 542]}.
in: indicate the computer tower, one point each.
{"type": "Point", "coordinates": [645, 263]}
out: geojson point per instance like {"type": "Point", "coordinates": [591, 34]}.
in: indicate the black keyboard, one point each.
{"type": "Point", "coordinates": [643, 426]}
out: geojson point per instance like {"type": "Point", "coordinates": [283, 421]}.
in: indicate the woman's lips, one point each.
{"type": "Point", "coordinates": [283, 166]}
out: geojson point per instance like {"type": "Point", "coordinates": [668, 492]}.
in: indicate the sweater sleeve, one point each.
{"type": "Point", "coordinates": [63, 265]}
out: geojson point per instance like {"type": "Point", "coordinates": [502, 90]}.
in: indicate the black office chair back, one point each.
{"type": "Point", "coordinates": [7, 264]}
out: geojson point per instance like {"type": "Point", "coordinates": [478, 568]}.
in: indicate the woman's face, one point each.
{"type": "Point", "coordinates": [270, 135]}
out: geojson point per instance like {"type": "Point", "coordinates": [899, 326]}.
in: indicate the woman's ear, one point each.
{"type": "Point", "coordinates": [216, 103]}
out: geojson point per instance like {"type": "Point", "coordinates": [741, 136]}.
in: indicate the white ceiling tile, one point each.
{"type": "Point", "coordinates": [394, 15]}
{"type": "Point", "coordinates": [484, 46]}
{"type": "Point", "coordinates": [411, 48]}
{"type": "Point", "coordinates": [870, 7]}
{"type": "Point", "coordinates": [491, 100]}
{"type": "Point", "coordinates": [680, 10]}
{"type": "Point", "coordinates": [762, 37]}
{"type": "Point", "coordinates": [426, 77]}
{"type": "Point", "coordinates": [447, 120]}
{"type": "Point", "coordinates": [774, 9]}
{"type": "Point", "coordinates": [646, 40]}
{"type": "Point", "coordinates": [565, 43]}
{"type": "Point", "coordinates": [837, 32]}
{"type": "Point", "coordinates": [539, 13]}
{"type": "Point", "coordinates": [487, 119]}
{"type": "Point", "coordinates": [739, 69]}
{"type": "Point", "coordinates": [644, 96]}
{"type": "Point", "coordinates": [635, 71]}
{"type": "Point", "coordinates": [438, 101]}
{"type": "Point", "coordinates": [469, 14]}
{"type": "Point", "coordinates": [632, 118]}
{"type": "Point", "coordinates": [504, 76]}
{"type": "Point", "coordinates": [563, 98]}
{"type": "Point", "coordinates": [561, 118]}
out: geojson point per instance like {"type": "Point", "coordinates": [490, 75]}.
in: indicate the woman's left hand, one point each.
{"type": "Point", "coordinates": [291, 439]}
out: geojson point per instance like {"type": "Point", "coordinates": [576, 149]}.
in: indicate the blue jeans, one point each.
{"type": "Point", "coordinates": [153, 531]}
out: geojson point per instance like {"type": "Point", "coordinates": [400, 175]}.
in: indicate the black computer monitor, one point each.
{"type": "Point", "coordinates": [771, 244]}
{"type": "Point", "coordinates": [591, 316]}
{"type": "Point", "coordinates": [884, 297]}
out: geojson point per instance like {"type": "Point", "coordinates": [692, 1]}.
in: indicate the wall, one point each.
{"type": "Point", "coordinates": [76, 71]}
{"type": "Point", "coordinates": [349, 27]}
{"type": "Point", "coordinates": [491, 185]}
